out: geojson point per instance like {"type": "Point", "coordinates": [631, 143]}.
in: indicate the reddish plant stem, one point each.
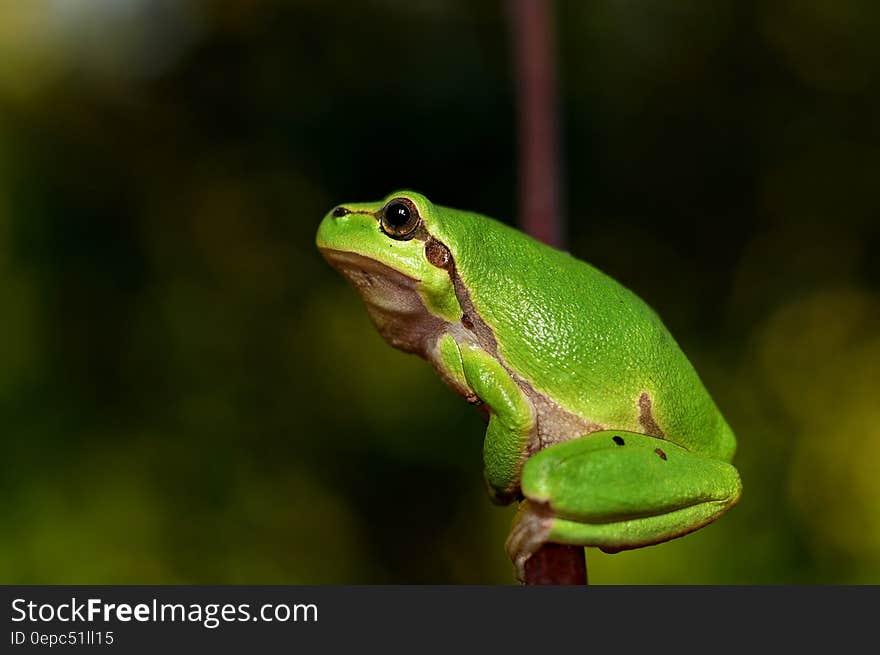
{"type": "Point", "coordinates": [534, 46]}
{"type": "Point", "coordinates": [534, 43]}
{"type": "Point", "coordinates": [556, 564]}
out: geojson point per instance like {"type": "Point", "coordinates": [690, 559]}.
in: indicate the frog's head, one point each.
{"type": "Point", "coordinates": [386, 249]}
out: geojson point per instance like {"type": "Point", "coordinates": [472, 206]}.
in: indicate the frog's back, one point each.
{"type": "Point", "coordinates": [581, 338]}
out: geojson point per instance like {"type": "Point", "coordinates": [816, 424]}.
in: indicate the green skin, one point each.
{"type": "Point", "coordinates": [597, 422]}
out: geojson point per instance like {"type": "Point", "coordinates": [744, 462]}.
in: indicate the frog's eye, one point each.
{"type": "Point", "coordinates": [399, 219]}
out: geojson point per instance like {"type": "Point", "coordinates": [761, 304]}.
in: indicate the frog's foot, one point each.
{"type": "Point", "coordinates": [617, 490]}
{"type": "Point", "coordinates": [531, 527]}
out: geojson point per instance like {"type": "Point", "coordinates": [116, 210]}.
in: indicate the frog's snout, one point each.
{"type": "Point", "coordinates": [330, 226]}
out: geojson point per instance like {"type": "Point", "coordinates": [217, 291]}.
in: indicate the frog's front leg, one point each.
{"type": "Point", "coordinates": [511, 420]}
{"type": "Point", "coordinates": [617, 490]}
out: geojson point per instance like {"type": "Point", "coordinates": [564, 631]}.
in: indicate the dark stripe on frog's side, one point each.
{"type": "Point", "coordinates": [555, 424]}
{"type": "Point", "coordinates": [646, 416]}
{"type": "Point", "coordinates": [470, 318]}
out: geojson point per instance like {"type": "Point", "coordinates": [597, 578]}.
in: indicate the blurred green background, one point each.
{"type": "Point", "coordinates": [189, 394]}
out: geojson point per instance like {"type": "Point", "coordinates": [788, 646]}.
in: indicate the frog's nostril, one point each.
{"type": "Point", "coordinates": [339, 212]}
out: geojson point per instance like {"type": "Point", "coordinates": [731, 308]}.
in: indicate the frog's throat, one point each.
{"type": "Point", "coordinates": [392, 300]}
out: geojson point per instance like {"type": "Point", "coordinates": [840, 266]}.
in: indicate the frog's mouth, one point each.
{"type": "Point", "coordinates": [391, 297]}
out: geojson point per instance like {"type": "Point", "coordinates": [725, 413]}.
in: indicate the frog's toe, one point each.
{"type": "Point", "coordinates": [531, 527]}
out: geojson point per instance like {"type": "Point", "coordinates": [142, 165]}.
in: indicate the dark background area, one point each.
{"type": "Point", "coordinates": [189, 394]}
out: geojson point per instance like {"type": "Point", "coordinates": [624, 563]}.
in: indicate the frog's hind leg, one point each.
{"type": "Point", "coordinates": [617, 490]}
